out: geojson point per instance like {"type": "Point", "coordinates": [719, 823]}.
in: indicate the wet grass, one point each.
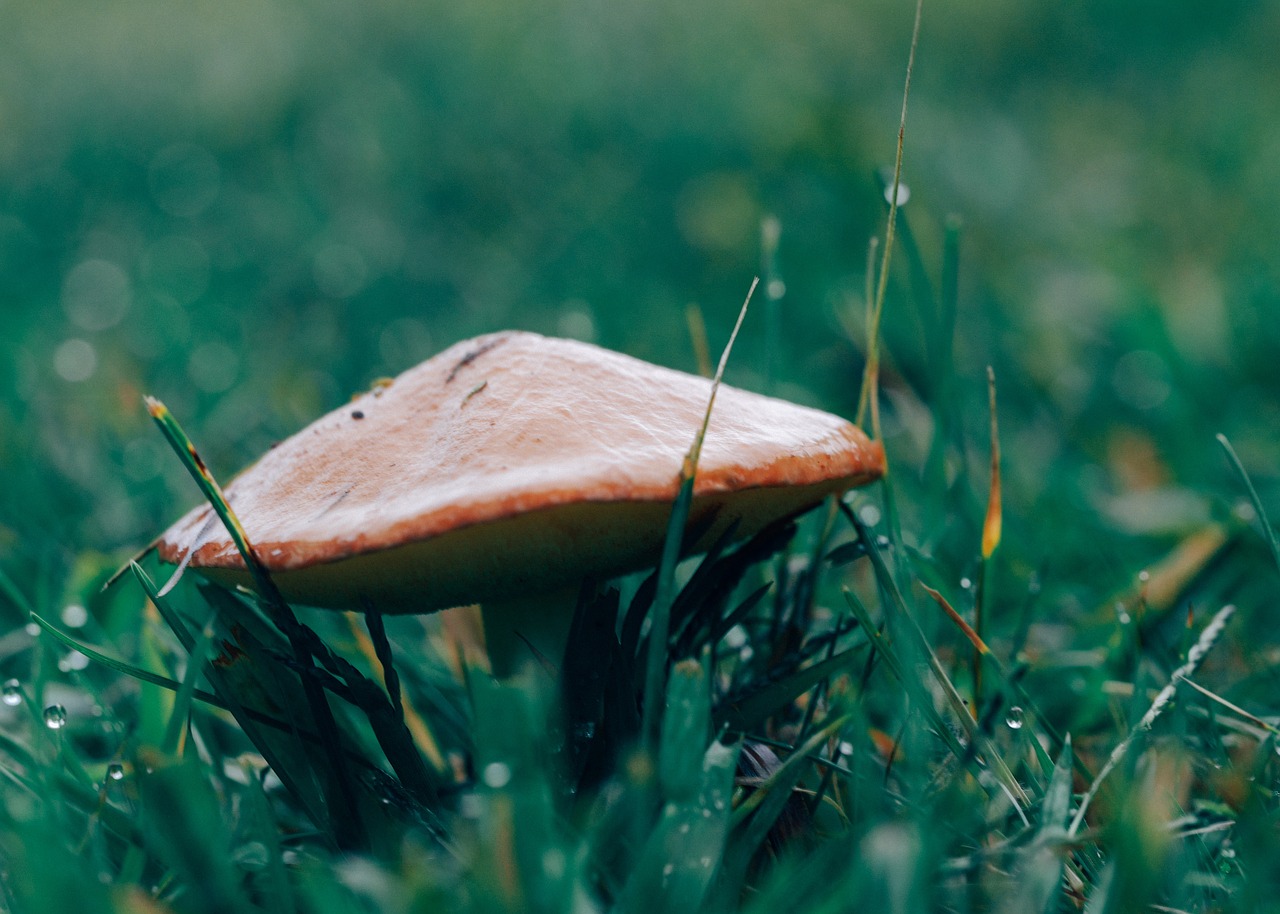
{"type": "Point", "coordinates": [1031, 670]}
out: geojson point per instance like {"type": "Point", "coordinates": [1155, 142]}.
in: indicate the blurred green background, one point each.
{"type": "Point", "coordinates": [252, 209]}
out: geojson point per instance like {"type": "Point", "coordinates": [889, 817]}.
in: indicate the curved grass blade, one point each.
{"type": "Point", "coordinates": [344, 818]}
{"type": "Point", "coordinates": [1269, 532]}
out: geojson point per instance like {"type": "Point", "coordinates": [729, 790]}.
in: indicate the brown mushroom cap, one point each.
{"type": "Point", "coordinates": [510, 464]}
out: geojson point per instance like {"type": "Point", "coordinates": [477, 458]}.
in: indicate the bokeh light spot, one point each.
{"type": "Point", "coordinates": [577, 324]}
{"type": "Point", "coordinates": [75, 360]}
{"type": "Point", "coordinates": [1141, 379]}
{"type": "Point", "coordinates": [96, 294]}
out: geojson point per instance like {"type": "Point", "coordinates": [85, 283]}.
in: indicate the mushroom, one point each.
{"type": "Point", "coordinates": [504, 470]}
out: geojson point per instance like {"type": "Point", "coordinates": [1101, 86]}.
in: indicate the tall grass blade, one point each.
{"type": "Point", "coordinates": [870, 382]}
{"type": "Point", "coordinates": [1268, 531]}
{"type": "Point", "coordinates": [1040, 872]}
{"type": "Point", "coordinates": [660, 614]}
{"type": "Point", "coordinates": [345, 819]}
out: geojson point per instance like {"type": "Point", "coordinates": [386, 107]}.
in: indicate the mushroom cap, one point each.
{"type": "Point", "coordinates": [512, 464]}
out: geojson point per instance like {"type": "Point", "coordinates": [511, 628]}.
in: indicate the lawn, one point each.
{"type": "Point", "coordinates": [917, 697]}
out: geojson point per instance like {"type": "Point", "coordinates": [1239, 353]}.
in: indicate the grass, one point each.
{"type": "Point", "coordinates": [990, 683]}
{"type": "Point", "coordinates": [818, 737]}
{"type": "Point", "coordinates": [880, 782]}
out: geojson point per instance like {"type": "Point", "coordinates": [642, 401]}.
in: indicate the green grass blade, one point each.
{"type": "Point", "coordinates": [679, 859]}
{"type": "Point", "coordinates": [756, 815]}
{"type": "Point", "coordinates": [1040, 873]}
{"type": "Point", "coordinates": [1269, 532]}
{"type": "Point", "coordinates": [121, 666]}
{"type": "Point", "coordinates": [660, 614]}
{"type": "Point", "coordinates": [345, 819]}
{"type": "Point", "coordinates": [748, 712]}
{"type": "Point", "coordinates": [182, 701]}
{"type": "Point", "coordinates": [15, 595]}
{"type": "Point", "coordinates": [175, 622]}
{"type": "Point", "coordinates": [186, 828]}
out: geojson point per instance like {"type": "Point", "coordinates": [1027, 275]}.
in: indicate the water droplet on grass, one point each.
{"type": "Point", "coordinates": [74, 616]}
{"type": "Point", "coordinates": [115, 772]}
{"type": "Point", "coordinates": [12, 693]}
{"type": "Point", "coordinates": [55, 717]}
{"type": "Point", "coordinates": [1015, 718]}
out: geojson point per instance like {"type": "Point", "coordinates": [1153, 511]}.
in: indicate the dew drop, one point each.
{"type": "Point", "coordinates": [115, 772]}
{"type": "Point", "coordinates": [12, 693]}
{"type": "Point", "coordinates": [1015, 719]}
{"type": "Point", "coordinates": [776, 288]}
{"type": "Point", "coordinates": [497, 774]}
{"type": "Point", "coordinates": [668, 869]}
{"type": "Point", "coordinates": [1144, 576]}
{"type": "Point", "coordinates": [965, 583]}
{"type": "Point", "coordinates": [55, 717]}
{"type": "Point", "coordinates": [869, 514]}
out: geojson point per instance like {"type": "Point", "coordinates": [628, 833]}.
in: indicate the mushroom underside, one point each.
{"type": "Point", "coordinates": [526, 554]}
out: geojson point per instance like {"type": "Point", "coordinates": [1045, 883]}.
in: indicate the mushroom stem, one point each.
{"type": "Point", "coordinates": [528, 629]}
